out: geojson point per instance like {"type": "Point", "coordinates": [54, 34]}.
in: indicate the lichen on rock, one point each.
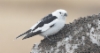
{"type": "Point", "coordinates": [80, 36]}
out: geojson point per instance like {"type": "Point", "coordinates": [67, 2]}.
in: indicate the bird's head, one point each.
{"type": "Point", "coordinates": [60, 13]}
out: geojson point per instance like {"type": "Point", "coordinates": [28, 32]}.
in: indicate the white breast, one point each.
{"type": "Point", "coordinates": [56, 28]}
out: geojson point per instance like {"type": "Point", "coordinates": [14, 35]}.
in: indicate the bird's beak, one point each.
{"type": "Point", "coordinates": [65, 14]}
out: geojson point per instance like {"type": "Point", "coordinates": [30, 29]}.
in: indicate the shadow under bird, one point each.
{"type": "Point", "coordinates": [49, 25]}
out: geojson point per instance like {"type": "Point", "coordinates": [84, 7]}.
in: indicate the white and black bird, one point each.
{"type": "Point", "coordinates": [49, 25]}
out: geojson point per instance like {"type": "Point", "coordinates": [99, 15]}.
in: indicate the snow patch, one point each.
{"type": "Point", "coordinates": [70, 48]}
{"type": "Point", "coordinates": [89, 25]}
{"type": "Point", "coordinates": [35, 49]}
{"type": "Point", "coordinates": [95, 34]}
{"type": "Point", "coordinates": [83, 38]}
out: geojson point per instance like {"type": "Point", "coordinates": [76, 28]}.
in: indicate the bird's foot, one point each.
{"type": "Point", "coordinates": [51, 39]}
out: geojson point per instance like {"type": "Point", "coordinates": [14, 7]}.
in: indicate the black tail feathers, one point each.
{"type": "Point", "coordinates": [24, 33]}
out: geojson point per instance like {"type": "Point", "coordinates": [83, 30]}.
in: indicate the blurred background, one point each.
{"type": "Point", "coordinates": [17, 16]}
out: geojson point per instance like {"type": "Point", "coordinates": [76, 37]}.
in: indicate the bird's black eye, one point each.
{"type": "Point", "coordinates": [60, 12]}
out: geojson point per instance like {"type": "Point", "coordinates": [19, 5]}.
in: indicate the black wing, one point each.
{"type": "Point", "coordinates": [24, 33]}
{"type": "Point", "coordinates": [31, 34]}
{"type": "Point", "coordinates": [45, 20]}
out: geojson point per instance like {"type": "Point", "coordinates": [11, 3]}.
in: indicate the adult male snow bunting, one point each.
{"type": "Point", "coordinates": [49, 25]}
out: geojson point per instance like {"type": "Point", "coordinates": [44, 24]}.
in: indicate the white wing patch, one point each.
{"type": "Point", "coordinates": [35, 25]}
{"type": "Point", "coordinates": [45, 27]}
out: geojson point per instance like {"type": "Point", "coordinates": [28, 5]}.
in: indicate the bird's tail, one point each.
{"type": "Point", "coordinates": [30, 34]}
{"type": "Point", "coordinates": [23, 33]}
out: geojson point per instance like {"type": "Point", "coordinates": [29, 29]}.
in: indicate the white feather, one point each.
{"type": "Point", "coordinates": [58, 24]}
{"type": "Point", "coordinates": [46, 30]}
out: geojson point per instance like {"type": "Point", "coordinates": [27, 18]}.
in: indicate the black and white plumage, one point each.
{"type": "Point", "coordinates": [47, 26]}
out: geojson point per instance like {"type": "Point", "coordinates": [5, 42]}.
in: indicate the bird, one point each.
{"type": "Point", "coordinates": [48, 25]}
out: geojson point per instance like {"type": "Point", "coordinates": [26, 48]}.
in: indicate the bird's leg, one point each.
{"type": "Point", "coordinates": [48, 38]}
